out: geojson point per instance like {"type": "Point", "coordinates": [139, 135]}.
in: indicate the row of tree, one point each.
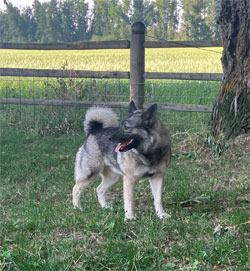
{"type": "Point", "coordinates": [74, 20]}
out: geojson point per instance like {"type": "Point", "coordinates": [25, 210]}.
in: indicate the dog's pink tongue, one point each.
{"type": "Point", "coordinates": [120, 146]}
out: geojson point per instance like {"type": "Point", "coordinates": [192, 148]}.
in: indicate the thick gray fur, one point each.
{"type": "Point", "coordinates": [107, 152]}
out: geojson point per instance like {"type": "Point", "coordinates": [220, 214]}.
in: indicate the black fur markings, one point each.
{"type": "Point", "coordinates": [95, 127]}
{"type": "Point", "coordinates": [157, 155]}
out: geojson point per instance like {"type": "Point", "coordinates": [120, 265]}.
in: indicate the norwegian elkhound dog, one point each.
{"type": "Point", "coordinates": [139, 147]}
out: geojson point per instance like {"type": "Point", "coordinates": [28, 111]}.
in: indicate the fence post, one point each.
{"type": "Point", "coordinates": [137, 63]}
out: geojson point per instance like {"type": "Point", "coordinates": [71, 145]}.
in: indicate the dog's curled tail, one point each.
{"type": "Point", "coordinates": [97, 118]}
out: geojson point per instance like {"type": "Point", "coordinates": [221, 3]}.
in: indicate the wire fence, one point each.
{"type": "Point", "coordinates": [55, 101]}
{"type": "Point", "coordinates": [58, 105]}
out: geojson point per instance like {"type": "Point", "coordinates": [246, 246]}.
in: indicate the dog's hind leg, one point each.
{"type": "Point", "coordinates": [78, 188]}
{"type": "Point", "coordinates": [109, 178]}
{"type": "Point", "coordinates": [156, 183]}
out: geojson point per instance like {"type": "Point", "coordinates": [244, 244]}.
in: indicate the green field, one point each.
{"type": "Point", "coordinates": [157, 60]}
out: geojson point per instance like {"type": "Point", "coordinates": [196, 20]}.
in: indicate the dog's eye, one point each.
{"type": "Point", "coordinates": [125, 126]}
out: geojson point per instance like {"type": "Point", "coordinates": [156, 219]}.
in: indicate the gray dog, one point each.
{"type": "Point", "coordinates": [139, 148]}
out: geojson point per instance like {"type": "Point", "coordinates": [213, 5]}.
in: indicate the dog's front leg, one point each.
{"type": "Point", "coordinates": [128, 195]}
{"type": "Point", "coordinates": [156, 183]}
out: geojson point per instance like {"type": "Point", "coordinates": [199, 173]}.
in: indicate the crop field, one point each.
{"type": "Point", "coordinates": [157, 60]}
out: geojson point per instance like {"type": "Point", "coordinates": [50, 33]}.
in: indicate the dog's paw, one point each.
{"type": "Point", "coordinates": [129, 217]}
{"type": "Point", "coordinates": [77, 206]}
{"type": "Point", "coordinates": [164, 215]}
{"type": "Point", "coordinates": [107, 207]}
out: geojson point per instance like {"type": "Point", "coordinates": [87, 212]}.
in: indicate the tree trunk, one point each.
{"type": "Point", "coordinates": [231, 112]}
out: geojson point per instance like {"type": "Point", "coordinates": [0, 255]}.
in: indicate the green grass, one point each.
{"type": "Point", "coordinates": [64, 119]}
{"type": "Point", "coordinates": [160, 91]}
{"type": "Point", "coordinates": [157, 60]}
{"type": "Point", "coordinates": [207, 195]}
{"type": "Point", "coordinates": [40, 230]}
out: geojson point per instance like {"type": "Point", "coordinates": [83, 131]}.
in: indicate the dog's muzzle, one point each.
{"type": "Point", "coordinates": [125, 141]}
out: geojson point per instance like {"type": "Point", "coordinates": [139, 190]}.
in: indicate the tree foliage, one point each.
{"type": "Point", "coordinates": [199, 19]}
{"type": "Point", "coordinates": [75, 20]}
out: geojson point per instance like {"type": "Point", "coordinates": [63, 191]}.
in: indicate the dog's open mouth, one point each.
{"type": "Point", "coordinates": [127, 145]}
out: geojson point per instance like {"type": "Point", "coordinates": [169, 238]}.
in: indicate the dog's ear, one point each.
{"type": "Point", "coordinates": [132, 107]}
{"type": "Point", "coordinates": [149, 116]}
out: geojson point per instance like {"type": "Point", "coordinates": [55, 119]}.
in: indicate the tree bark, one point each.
{"type": "Point", "coordinates": [231, 112]}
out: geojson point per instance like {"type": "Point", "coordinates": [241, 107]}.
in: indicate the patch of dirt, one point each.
{"type": "Point", "coordinates": [242, 143]}
{"type": "Point", "coordinates": [74, 235]}
{"type": "Point", "coordinates": [198, 144]}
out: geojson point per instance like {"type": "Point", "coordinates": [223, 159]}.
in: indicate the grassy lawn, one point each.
{"type": "Point", "coordinates": [207, 195]}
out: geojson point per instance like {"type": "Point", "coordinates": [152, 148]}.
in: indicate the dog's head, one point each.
{"type": "Point", "coordinates": [136, 129]}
